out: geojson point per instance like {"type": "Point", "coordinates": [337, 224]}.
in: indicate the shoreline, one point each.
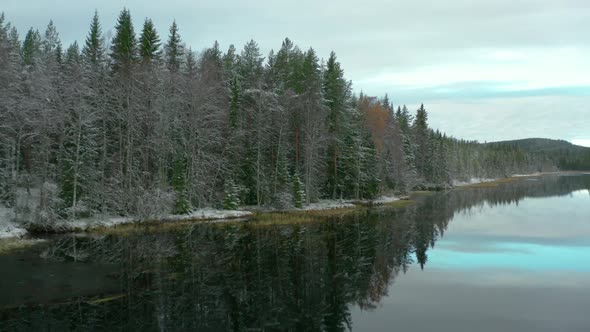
{"type": "Point", "coordinates": [11, 231]}
{"type": "Point", "coordinates": [484, 183]}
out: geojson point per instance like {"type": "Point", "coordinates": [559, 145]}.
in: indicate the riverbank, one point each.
{"type": "Point", "coordinates": [486, 182]}
{"type": "Point", "coordinates": [11, 230]}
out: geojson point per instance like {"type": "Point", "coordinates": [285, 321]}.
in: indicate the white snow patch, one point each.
{"type": "Point", "coordinates": [458, 183]}
{"type": "Point", "coordinates": [328, 204]}
{"type": "Point", "coordinates": [110, 221]}
{"type": "Point", "coordinates": [385, 199]}
{"type": "Point", "coordinates": [93, 222]}
{"type": "Point", "coordinates": [208, 213]}
{"type": "Point", "coordinates": [525, 175]}
{"type": "Point", "coordinates": [8, 228]}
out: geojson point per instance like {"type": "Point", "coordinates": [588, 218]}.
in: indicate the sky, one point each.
{"type": "Point", "coordinates": [485, 70]}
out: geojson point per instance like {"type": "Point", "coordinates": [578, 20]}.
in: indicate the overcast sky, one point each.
{"type": "Point", "coordinates": [485, 69]}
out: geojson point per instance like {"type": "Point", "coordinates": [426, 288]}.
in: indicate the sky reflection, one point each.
{"type": "Point", "coordinates": [526, 256]}
{"type": "Point", "coordinates": [538, 234]}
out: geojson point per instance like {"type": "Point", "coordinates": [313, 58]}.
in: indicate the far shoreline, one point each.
{"type": "Point", "coordinates": [245, 213]}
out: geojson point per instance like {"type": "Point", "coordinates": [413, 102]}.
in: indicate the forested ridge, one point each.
{"type": "Point", "coordinates": [565, 155]}
{"type": "Point", "coordinates": [143, 122]}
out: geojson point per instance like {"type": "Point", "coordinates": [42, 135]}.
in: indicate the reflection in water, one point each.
{"type": "Point", "coordinates": [244, 276]}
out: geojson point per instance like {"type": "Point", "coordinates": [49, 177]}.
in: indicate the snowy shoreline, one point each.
{"type": "Point", "coordinates": [10, 230]}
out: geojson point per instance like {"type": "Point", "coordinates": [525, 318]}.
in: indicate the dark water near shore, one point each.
{"type": "Point", "coordinates": [510, 258]}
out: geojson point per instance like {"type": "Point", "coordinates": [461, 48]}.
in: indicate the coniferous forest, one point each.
{"type": "Point", "coordinates": [143, 122]}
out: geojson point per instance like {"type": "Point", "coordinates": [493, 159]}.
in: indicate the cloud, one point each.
{"type": "Point", "coordinates": [582, 142]}
{"type": "Point", "coordinates": [517, 59]}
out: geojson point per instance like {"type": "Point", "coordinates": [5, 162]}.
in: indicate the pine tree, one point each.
{"type": "Point", "coordinates": [250, 65]}
{"type": "Point", "coordinates": [284, 64]}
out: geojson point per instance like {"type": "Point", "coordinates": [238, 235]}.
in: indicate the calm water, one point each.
{"type": "Point", "coordinates": [511, 258]}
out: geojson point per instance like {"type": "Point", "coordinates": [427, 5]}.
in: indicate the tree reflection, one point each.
{"type": "Point", "coordinates": [245, 276]}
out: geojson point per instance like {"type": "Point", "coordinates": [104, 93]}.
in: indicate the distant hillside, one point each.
{"type": "Point", "coordinates": [564, 154]}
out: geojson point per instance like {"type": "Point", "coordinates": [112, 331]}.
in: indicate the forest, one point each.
{"type": "Point", "coordinates": [142, 122]}
{"type": "Point", "coordinates": [565, 155]}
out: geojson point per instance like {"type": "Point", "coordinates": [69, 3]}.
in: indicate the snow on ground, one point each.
{"type": "Point", "coordinates": [110, 221]}
{"type": "Point", "coordinates": [93, 222]}
{"type": "Point", "coordinates": [457, 183]}
{"type": "Point", "coordinates": [328, 204]}
{"type": "Point", "coordinates": [10, 229]}
{"type": "Point", "coordinates": [385, 199]}
{"type": "Point", "coordinates": [526, 175]}
{"type": "Point", "coordinates": [208, 213]}
{"type": "Point", "coordinates": [7, 227]}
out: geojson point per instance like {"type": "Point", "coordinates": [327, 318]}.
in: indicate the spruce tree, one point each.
{"type": "Point", "coordinates": [299, 197]}
{"type": "Point", "coordinates": [124, 55]}
{"type": "Point", "coordinates": [31, 47]}
{"type": "Point", "coordinates": [93, 49]}
{"type": "Point", "coordinates": [234, 106]}
{"type": "Point", "coordinates": [231, 200]}
{"type": "Point", "coordinates": [230, 62]}
{"type": "Point", "coordinates": [149, 42]}
{"type": "Point", "coordinates": [310, 122]}
{"type": "Point", "coordinates": [182, 205]}
{"type": "Point", "coordinates": [423, 145]}
{"type": "Point", "coordinates": [387, 103]}
{"type": "Point", "coordinates": [336, 92]}
{"type": "Point", "coordinates": [173, 49]}
{"type": "Point", "coordinates": [124, 44]}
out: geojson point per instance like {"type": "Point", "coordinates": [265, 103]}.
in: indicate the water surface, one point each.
{"type": "Point", "coordinates": [511, 258]}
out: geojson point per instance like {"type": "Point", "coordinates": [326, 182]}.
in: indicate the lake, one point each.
{"type": "Point", "coordinates": [514, 257]}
